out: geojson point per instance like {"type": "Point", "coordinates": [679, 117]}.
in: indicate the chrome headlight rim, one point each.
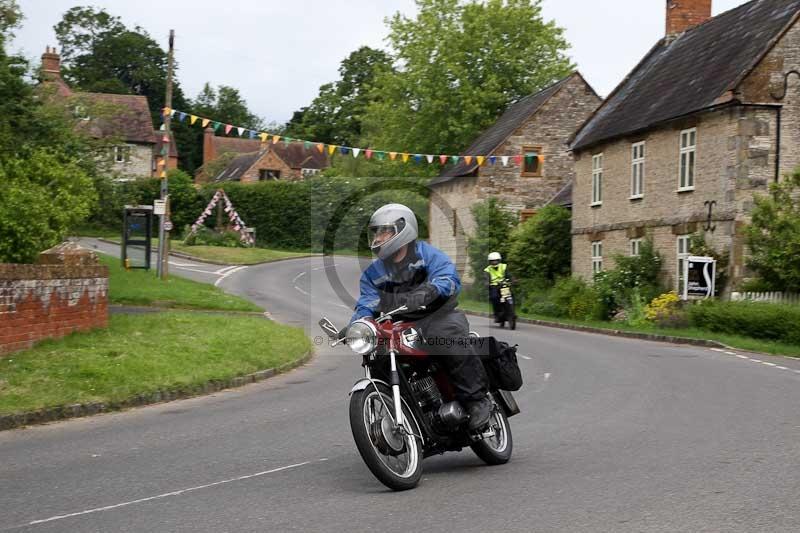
{"type": "Point", "coordinates": [362, 337]}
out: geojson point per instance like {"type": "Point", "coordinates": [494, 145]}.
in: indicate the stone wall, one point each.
{"type": "Point", "coordinates": [66, 292]}
{"type": "Point", "coordinates": [138, 165]}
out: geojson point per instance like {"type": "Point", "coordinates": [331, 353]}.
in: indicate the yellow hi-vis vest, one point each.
{"type": "Point", "coordinates": [496, 273]}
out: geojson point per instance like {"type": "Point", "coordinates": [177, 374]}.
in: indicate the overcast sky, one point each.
{"type": "Point", "coordinates": [278, 53]}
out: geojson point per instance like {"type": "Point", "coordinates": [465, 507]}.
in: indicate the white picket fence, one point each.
{"type": "Point", "coordinates": [769, 297]}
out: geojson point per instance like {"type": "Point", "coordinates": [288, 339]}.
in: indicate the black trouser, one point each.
{"type": "Point", "coordinates": [494, 297]}
{"type": "Point", "coordinates": [447, 336]}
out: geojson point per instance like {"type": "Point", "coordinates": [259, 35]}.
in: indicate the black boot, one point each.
{"type": "Point", "coordinates": [480, 411]}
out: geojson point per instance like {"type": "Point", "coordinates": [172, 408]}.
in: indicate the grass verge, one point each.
{"type": "Point", "coordinates": [138, 354]}
{"type": "Point", "coordinates": [735, 341]}
{"type": "Point", "coordinates": [140, 287]}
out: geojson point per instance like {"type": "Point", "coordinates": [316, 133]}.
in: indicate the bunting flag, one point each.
{"type": "Point", "coordinates": [236, 221]}
{"type": "Point", "coordinates": [369, 153]}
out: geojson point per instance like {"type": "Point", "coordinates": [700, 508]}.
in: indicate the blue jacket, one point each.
{"type": "Point", "coordinates": [431, 265]}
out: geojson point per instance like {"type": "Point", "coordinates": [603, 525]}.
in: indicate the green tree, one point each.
{"type": "Point", "coordinates": [336, 114]}
{"type": "Point", "coordinates": [541, 247]}
{"type": "Point", "coordinates": [493, 227]}
{"type": "Point", "coordinates": [226, 104]}
{"type": "Point", "coordinates": [459, 65]}
{"type": "Point", "coordinates": [774, 235]}
{"type": "Point", "coordinates": [80, 27]}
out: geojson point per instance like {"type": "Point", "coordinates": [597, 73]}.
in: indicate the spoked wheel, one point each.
{"type": "Point", "coordinates": [495, 449]}
{"type": "Point", "coordinates": [393, 456]}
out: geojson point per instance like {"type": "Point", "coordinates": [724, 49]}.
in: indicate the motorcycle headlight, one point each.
{"type": "Point", "coordinates": [362, 337]}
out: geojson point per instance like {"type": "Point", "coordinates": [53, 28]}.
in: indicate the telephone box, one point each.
{"type": "Point", "coordinates": [137, 234]}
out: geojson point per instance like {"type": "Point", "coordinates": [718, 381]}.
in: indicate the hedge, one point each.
{"type": "Point", "coordinates": [757, 320]}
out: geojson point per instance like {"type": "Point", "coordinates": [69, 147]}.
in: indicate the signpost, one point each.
{"type": "Point", "coordinates": [699, 274]}
{"type": "Point", "coordinates": [163, 231]}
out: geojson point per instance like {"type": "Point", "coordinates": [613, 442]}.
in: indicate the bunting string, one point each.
{"type": "Point", "coordinates": [366, 153]}
{"type": "Point", "coordinates": [233, 217]}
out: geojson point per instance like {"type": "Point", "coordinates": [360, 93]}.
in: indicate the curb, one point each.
{"type": "Point", "coordinates": [183, 255]}
{"type": "Point", "coordinates": [136, 309]}
{"type": "Point", "coordinates": [614, 332]}
{"type": "Point", "coordinates": [63, 412]}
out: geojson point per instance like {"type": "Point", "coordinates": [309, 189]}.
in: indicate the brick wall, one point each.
{"type": "Point", "coordinates": [270, 161]}
{"type": "Point", "coordinates": [51, 300]}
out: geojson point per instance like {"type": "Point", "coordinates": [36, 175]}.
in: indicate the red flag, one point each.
{"type": "Point", "coordinates": [228, 128]}
{"type": "Point", "coordinates": [518, 159]}
{"type": "Point", "coordinates": [368, 154]}
{"type": "Point", "coordinates": [443, 159]}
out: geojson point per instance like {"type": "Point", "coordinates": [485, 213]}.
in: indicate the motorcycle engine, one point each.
{"type": "Point", "coordinates": [427, 392]}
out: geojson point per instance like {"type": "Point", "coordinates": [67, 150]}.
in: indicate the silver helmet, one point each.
{"type": "Point", "coordinates": [396, 220]}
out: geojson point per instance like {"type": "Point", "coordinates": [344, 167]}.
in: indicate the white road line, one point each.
{"type": "Point", "coordinates": [324, 267]}
{"type": "Point", "coordinates": [718, 350]}
{"type": "Point", "coordinates": [547, 376]}
{"type": "Point", "coordinates": [526, 357]}
{"type": "Point", "coordinates": [223, 270]}
{"type": "Point", "coordinates": [301, 290]}
{"type": "Point", "coordinates": [209, 272]}
{"type": "Point", "coordinates": [781, 367]}
{"type": "Point", "coordinates": [228, 273]}
{"type": "Point", "coordinates": [301, 274]}
{"type": "Point", "coordinates": [768, 364]}
{"type": "Point", "coordinates": [730, 353]}
{"type": "Point", "coordinates": [166, 494]}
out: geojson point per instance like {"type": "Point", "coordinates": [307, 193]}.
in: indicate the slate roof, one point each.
{"type": "Point", "coordinates": [295, 155]}
{"type": "Point", "coordinates": [695, 71]}
{"type": "Point", "coordinates": [128, 117]}
{"type": "Point", "coordinates": [563, 197]}
{"type": "Point", "coordinates": [238, 166]}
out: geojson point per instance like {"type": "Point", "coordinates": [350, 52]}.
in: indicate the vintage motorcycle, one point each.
{"type": "Point", "coordinates": [404, 410]}
{"type": "Point", "coordinates": [507, 312]}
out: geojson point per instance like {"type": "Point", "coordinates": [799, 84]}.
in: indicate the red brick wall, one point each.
{"type": "Point", "coordinates": [47, 301]}
{"type": "Point", "coordinates": [685, 14]}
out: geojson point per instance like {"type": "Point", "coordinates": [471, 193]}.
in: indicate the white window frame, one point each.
{"type": "Point", "coordinates": [597, 179]}
{"type": "Point", "coordinates": [597, 257]}
{"type": "Point", "coordinates": [636, 247]}
{"type": "Point", "coordinates": [687, 163]}
{"type": "Point", "coordinates": [119, 154]}
{"type": "Point", "coordinates": [682, 248]}
{"type": "Point", "coordinates": [638, 154]}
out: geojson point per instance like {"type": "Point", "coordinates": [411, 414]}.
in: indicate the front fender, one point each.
{"type": "Point", "coordinates": [364, 383]}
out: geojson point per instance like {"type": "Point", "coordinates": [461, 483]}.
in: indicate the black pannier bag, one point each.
{"type": "Point", "coordinates": [500, 361]}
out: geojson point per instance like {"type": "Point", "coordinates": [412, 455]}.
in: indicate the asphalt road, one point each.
{"type": "Point", "coordinates": [614, 435]}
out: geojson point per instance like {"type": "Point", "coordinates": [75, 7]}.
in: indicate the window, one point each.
{"type": "Point", "coordinates": [122, 154]}
{"type": "Point", "coordinates": [309, 172]}
{"type": "Point", "coordinates": [637, 170]}
{"type": "Point", "coordinates": [531, 164]}
{"type": "Point", "coordinates": [266, 174]}
{"type": "Point", "coordinates": [597, 257]}
{"type": "Point", "coordinates": [683, 254]}
{"type": "Point", "coordinates": [597, 179]}
{"type": "Point", "coordinates": [688, 156]}
{"type": "Point", "coordinates": [636, 247]}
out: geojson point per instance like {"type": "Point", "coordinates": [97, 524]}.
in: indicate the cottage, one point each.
{"type": "Point", "coordinates": [708, 118]}
{"type": "Point", "coordinates": [538, 128]}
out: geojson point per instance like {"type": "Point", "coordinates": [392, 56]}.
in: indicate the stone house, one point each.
{"type": "Point", "coordinates": [258, 161]}
{"type": "Point", "coordinates": [536, 129]}
{"type": "Point", "coordinates": [122, 118]}
{"type": "Point", "coordinates": [704, 121]}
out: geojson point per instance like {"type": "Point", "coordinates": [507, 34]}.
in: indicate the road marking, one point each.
{"type": "Point", "coordinates": [166, 494]}
{"type": "Point", "coordinates": [741, 356]}
{"type": "Point", "coordinates": [223, 270]}
{"type": "Point", "coordinates": [547, 376]}
{"type": "Point", "coordinates": [765, 363]}
{"type": "Point", "coordinates": [526, 357]}
{"type": "Point", "coordinates": [781, 367]}
{"type": "Point", "coordinates": [324, 267]}
{"type": "Point", "coordinates": [718, 350]}
{"type": "Point", "coordinates": [209, 272]}
{"type": "Point", "coordinates": [301, 290]}
{"type": "Point", "coordinates": [298, 276]}
{"type": "Point", "coordinates": [768, 364]}
{"type": "Point", "coordinates": [228, 273]}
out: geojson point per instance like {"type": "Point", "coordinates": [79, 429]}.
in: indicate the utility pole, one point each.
{"type": "Point", "coordinates": [166, 225]}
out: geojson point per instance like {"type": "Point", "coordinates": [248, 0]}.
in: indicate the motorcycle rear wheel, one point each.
{"type": "Point", "coordinates": [496, 450]}
{"type": "Point", "coordinates": [512, 316]}
{"type": "Point", "coordinates": [398, 471]}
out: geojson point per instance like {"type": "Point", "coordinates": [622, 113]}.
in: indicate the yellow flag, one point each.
{"type": "Point", "coordinates": [161, 161]}
{"type": "Point", "coordinates": [331, 149]}
{"type": "Point", "coordinates": [392, 155]}
{"type": "Point", "coordinates": [263, 137]}
{"type": "Point", "coordinates": [163, 174]}
{"type": "Point", "coordinates": [321, 148]}
{"type": "Point", "coordinates": [480, 159]}
{"type": "Point", "coordinates": [167, 111]}
{"type": "Point", "coordinates": [405, 157]}
{"type": "Point", "coordinates": [192, 119]}
{"type": "Point", "coordinates": [205, 122]}
{"type": "Point", "coordinates": [275, 139]}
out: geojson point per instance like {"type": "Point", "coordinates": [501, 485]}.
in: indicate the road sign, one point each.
{"type": "Point", "coordinates": [159, 207]}
{"type": "Point", "coordinates": [168, 225]}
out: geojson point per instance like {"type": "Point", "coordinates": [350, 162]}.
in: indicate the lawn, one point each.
{"type": "Point", "coordinates": [735, 341]}
{"type": "Point", "coordinates": [140, 287]}
{"type": "Point", "coordinates": [144, 353]}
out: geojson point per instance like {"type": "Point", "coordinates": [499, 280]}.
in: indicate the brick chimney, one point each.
{"type": "Point", "coordinates": [208, 145]}
{"type": "Point", "coordinates": [685, 14]}
{"type": "Point", "coordinates": [51, 71]}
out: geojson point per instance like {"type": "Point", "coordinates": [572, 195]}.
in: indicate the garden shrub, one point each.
{"type": "Point", "coordinates": [666, 311]}
{"type": "Point", "coordinates": [757, 320]}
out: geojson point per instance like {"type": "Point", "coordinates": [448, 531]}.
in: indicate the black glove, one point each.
{"type": "Point", "coordinates": [422, 296]}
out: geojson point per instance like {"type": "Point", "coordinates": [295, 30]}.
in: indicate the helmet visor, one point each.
{"type": "Point", "coordinates": [379, 235]}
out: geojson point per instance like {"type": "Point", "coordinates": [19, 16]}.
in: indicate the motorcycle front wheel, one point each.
{"type": "Point", "coordinates": [511, 315]}
{"type": "Point", "coordinates": [496, 450]}
{"type": "Point", "coordinates": [395, 459]}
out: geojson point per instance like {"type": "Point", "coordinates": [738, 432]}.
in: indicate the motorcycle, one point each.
{"type": "Point", "coordinates": [404, 410]}
{"type": "Point", "coordinates": [507, 313]}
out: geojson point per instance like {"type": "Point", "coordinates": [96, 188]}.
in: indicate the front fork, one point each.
{"type": "Point", "coordinates": [395, 382]}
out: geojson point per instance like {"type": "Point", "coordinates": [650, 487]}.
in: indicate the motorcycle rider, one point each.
{"type": "Point", "coordinates": [497, 273]}
{"type": "Point", "coordinates": [411, 272]}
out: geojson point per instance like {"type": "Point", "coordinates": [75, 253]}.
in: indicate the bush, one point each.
{"type": "Point", "coordinates": [541, 247]}
{"type": "Point", "coordinates": [493, 226]}
{"type": "Point", "coordinates": [634, 277]}
{"type": "Point", "coordinates": [208, 237]}
{"type": "Point", "coordinates": [665, 311]}
{"type": "Point", "coordinates": [576, 299]}
{"type": "Point", "coordinates": [757, 320]}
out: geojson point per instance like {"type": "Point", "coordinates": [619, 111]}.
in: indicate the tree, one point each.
{"type": "Point", "coordinates": [80, 27]}
{"type": "Point", "coordinates": [774, 235]}
{"type": "Point", "coordinates": [226, 104]}
{"type": "Point", "coordinates": [493, 227]}
{"type": "Point", "coordinates": [541, 247]}
{"type": "Point", "coordinates": [336, 114]}
{"type": "Point", "coordinates": [459, 65]}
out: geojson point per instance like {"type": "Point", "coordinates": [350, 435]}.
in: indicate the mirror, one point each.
{"type": "Point", "coordinates": [328, 327]}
